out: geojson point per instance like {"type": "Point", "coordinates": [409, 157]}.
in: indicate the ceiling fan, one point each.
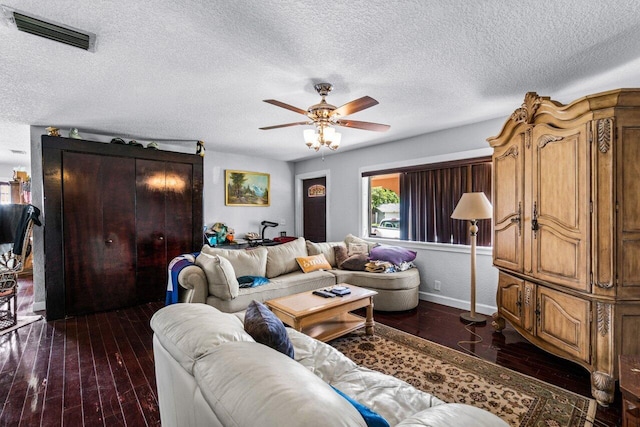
{"type": "Point", "coordinates": [324, 115]}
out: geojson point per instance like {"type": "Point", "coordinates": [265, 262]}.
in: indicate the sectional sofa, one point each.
{"type": "Point", "coordinates": [213, 278]}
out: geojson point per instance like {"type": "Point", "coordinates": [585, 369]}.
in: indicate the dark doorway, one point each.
{"type": "Point", "coordinates": [314, 206]}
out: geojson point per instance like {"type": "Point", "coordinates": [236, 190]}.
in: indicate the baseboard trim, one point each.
{"type": "Point", "coordinates": [456, 303]}
{"type": "Point", "coordinates": [39, 306]}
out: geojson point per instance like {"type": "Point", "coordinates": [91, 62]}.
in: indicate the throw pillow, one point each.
{"type": "Point", "coordinates": [220, 275]}
{"type": "Point", "coordinates": [355, 262]}
{"type": "Point", "coordinates": [266, 328]}
{"type": "Point", "coordinates": [358, 248]}
{"type": "Point", "coordinates": [372, 418]}
{"type": "Point", "coordinates": [393, 254]}
{"type": "Point", "coordinates": [313, 263]}
{"type": "Point", "coordinates": [350, 238]}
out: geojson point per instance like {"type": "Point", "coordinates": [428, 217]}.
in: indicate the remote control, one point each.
{"type": "Point", "coordinates": [324, 294]}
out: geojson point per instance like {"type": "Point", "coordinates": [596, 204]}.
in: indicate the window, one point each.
{"type": "Point", "coordinates": [5, 193]}
{"type": "Point", "coordinates": [425, 196]}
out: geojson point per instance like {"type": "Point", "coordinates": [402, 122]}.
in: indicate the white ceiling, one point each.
{"type": "Point", "coordinates": [189, 70]}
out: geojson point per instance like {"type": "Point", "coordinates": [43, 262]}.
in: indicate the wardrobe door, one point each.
{"type": "Point", "coordinates": [164, 222]}
{"type": "Point", "coordinates": [98, 202]}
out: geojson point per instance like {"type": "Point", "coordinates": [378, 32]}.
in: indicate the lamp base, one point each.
{"type": "Point", "coordinates": [479, 318]}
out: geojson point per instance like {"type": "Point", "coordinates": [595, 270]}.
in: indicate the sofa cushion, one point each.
{"type": "Point", "coordinates": [189, 331]}
{"type": "Point", "coordinates": [313, 263]}
{"type": "Point", "coordinates": [325, 248]}
{"type": "Point", "coordinates": [357, 248]}
{"type": "Point", "coordinates": [245, 262]}
{"type": "Point", "coordinates": [266, 328]}
{"type": "Point", "coordinates": [220, 274]}
{"type": "Point", "coordinates": [247, 384]}
{"type": "Point", "coordinates": [393, 254]}
{"type": "Point", "coordinates": [281, 259]}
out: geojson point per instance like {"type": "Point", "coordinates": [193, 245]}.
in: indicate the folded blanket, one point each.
{"type": "Point", "coordinates": [379, 267]}
{"type": "Point", "coordinates": [175, 267]}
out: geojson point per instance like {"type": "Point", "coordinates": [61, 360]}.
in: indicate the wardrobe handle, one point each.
{"type": "Point", "coordinates": [517, 218]}
{"type": "Point", "coordinates": [534, 219]}
{"type": "Point", "coordinates": [161, 238]}
{"type": "Point", "coordinates": [108, 241]}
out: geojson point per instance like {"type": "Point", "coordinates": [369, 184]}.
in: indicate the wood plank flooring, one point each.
{"type": "Point", "coordinates": [98, 369]}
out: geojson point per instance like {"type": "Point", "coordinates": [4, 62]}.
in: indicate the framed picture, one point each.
{"type": "Point", "coordinates": [244, 188]}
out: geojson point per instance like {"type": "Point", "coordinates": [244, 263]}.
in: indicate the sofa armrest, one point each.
{"type": "Point", "coordinates": [194, 285]}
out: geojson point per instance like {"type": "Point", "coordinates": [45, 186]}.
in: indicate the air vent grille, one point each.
{"type": "Point", "coordinates": [50, 30]}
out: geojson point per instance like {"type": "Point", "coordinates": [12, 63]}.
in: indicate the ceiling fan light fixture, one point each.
{"type": "Point", "coordinates": [335, 142]}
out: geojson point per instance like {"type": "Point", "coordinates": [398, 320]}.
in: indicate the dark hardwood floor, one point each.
{"type": "Point", "coordinates": [98, 369]}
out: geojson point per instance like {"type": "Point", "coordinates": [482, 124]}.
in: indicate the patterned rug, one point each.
{"type": "Point", "coordinates": [453, 376]}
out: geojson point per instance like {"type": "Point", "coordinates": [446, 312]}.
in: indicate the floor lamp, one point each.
{"type": "Point", "coordinates": [472, 207]}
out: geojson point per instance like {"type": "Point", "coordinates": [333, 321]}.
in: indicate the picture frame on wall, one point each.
{"type": "Point", "coordinates": [244, 188]}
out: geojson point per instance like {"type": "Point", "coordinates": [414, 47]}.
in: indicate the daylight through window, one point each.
{"type": "Point", "coordinates": [415, 203]}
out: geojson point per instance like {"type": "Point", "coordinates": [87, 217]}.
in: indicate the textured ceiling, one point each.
{"type": "Point", "coordinates": [189, 70]}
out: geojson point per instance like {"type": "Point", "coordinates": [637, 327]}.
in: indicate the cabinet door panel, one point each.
{"type": "Point", "coordinates": [510, 290]}
{"type": "Point", "coordinates": [164, 216]}
{"type": "Point", "coordinates": [507, 205]}
{"type": "Point", "coordinates": [99, 232]}
{"type": "Point", "coordinates": [564, 322]}
{"type": "Point", "coordinates": [179, 218]}
{"type": "Point", "coordinates": [560, 206]}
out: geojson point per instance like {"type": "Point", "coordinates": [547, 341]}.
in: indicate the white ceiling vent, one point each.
{"type": "Point", "coordinates": [49, 29]}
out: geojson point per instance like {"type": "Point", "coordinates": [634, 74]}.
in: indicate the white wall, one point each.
{"type": "Point", "coordinates": [447, 263]}
{"type": "Point", "coordinates": [244, 219]}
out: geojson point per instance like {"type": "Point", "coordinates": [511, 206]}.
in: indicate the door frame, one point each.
{"type": "Point", "coordinates": [326, 174]}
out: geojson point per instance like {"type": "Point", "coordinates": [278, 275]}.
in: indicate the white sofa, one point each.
{"type": "Point", "coordinates": [211, 372]}
{"type": "Point", "coordinates": [396, 291]}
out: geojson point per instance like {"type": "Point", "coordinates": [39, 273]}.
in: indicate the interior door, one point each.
{"type": "Point", "coordinates": [99, 232]}
{"type": "Point", "coordinates": [314, 206]}
{"type": "Point", "coordinates": [163, 222]}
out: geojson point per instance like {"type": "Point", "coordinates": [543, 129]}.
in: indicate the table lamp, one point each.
{"type": "Point", "coordinates": [472, 207]}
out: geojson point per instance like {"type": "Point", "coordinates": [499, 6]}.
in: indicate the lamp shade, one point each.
{"type": "Point", "coordinates": [472, 206]}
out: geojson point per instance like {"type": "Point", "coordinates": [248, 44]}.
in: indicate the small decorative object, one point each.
{"type": "Point", "coordinates": [135, 143]}
{"type": "Point", "coordinates": [200, 148]}
{"type": "Point", "coordinates": [51, 131]}
{"type": "Point", "coordinates": [118, 141]}
{"type": "Point", "coordinates": [152, 145]}
{"type": "Point", "coordinates": [73, 133]}
{"type": "Point", "coordinates": [247, 188]}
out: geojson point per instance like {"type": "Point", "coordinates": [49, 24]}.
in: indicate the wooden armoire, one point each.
{"type": "Point", "coordinates": [566, 240]}
{"type": "Point", "coordinates": [115, 216]}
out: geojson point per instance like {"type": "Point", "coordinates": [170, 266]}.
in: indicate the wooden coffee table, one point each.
{"type": "Point", "coordinates": [325, 318]}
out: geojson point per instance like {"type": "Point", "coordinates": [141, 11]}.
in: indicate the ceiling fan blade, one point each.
{"type": "Point", "coordinates": [285, 125]}
{"type": "Point", "coordinates": [355, 106]}
{"type": "Point", "coordinates": [363, 125]}
{"type": "Point", "coordinates": [287, 106]}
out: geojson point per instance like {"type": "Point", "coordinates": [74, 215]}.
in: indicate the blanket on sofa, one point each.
{"type": "Point", "coordinates": [175, 267]}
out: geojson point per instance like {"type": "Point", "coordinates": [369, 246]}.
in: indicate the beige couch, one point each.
{"type": "Point", "coordinates": [211, 280]}
{"type": "Point", "coordinates": [209, 371]}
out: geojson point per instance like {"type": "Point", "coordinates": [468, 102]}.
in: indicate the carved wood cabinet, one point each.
{"type": "Point", "coordinates": [566, 239]}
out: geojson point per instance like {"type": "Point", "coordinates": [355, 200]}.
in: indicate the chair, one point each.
{"type": "Point", "coordinates": [12, 263]}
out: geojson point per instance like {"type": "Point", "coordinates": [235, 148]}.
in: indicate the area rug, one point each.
{"type": "Point", "coordinates": [453, 376]}
{"type": "Point", "coordinates": [22, 321]}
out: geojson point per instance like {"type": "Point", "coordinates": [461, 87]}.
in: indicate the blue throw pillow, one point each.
{"type": "Point", "coordinates": [266, 328]}
{"type": "Point", "coordinates": [396, 255]}
{"type": "Point", "coordinates": [373, 419]}
{"type": "Point", "coordinates": [252, 281]}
